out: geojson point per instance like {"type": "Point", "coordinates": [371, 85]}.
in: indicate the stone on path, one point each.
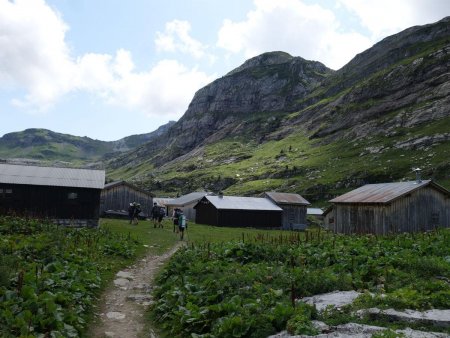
{"type": "Point", "coordinates": [139, 298]}
{"type": "Point", "coordinates": [115, 315]}
{"type": "Point", "coordinates": [121, 282]}
{"type": "Point", "coordinates": [109, 334]}
{"type": "Point", "coordinates": [124, 274]}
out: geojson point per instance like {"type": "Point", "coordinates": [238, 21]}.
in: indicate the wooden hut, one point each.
{"type": "Point", "coordinates": [117, 196]}
{"type": "Point", "coordinates": [186, 203]}
{"type": "Point", "coordinates": [294, 209]}
{"type": "Point", "coordinates": [391, 208]}
{"type": "Point", "coordinates": [232, 211]}
{"type": "Point", "coordinates": [66, 195]}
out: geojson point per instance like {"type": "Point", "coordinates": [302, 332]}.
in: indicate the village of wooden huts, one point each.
{"type": "Point", "coordinates": [233, 211]}
{"type": "Point", "coordinates": [294, 209]}
{"type": "Point", "coordinates": [117, 196]}
{"type": "Point", "coordinates": [67, 196]}
{"type": "Point", "coordinates": [186, 203]}
{"type": "Point", "coordinates": [390, 208]}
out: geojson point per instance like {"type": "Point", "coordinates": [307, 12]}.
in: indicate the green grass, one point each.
{"type": "Point", "coordinates": [156, 240]}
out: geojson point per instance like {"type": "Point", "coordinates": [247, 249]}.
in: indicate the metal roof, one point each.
{"type": "Point", "coordinates": [242, 203]}
{"type": "Point", "coordinates": [314, 211]}
{"type": "Point", "coordinates": [286, 198]}
{"type": "Point", "coordinates": [119, 183]}
{"type": "Point", "coordinates": [51, 176]}
{"type": "Point", "coordinates": [383, 192]}
{"type": "Point", "coordinates": [188, 199]}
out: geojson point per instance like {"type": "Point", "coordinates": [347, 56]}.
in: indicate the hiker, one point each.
{"type": "Point", "coordinates": [155, 214]}
{"type": "Point", "coordinates": [162, 213]}
{"type": "Point", "coordinates": [137, 211]}
{"type": "Point", "coordinates": [175, 215]}
{"type": "Point", "coordinates": [182, 224]}
{"type": "Point", "coordinates": [131, 212]}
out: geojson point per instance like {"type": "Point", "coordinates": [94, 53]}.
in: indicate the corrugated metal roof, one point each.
{"type": "Point", "coordinates": [380, 193]}
{"type": "Point", "coordinates": [187, 199]}
{"type": "Point", "coordinates": [287, 198]}
{"type": "Point", "coordinates": [314, 211]}
{"type": "Point", "coordinates": [52, 176]}
{"type": "Point", "coordinates": [243, 203]}
{"type": "Point", "coordinates": [119, 183]}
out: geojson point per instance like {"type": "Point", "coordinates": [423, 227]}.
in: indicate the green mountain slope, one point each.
{"type": "Point", "coordinates": [47, 146]}
{"type": "Point", "coordinates": [284, 123]}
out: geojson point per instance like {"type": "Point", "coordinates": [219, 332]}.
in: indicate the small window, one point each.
{"type": "Point", "coordinates": [1, 191]}
{"type": "Point", "coordinates": [435, 218]}
{"type": "Point", "coordinates": [331, 220]}
{"type": "Point", "coordinates": [8, 191]}
{"type": "Point", "coordinates": [72, 196]}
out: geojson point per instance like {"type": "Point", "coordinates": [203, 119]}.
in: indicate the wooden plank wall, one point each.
{"type": "Point", "coordinates": [119, 198]}
{"type": "Point", "coordinates": [293, 215]}
{"type": "Point", "coordinates": [423, 209]}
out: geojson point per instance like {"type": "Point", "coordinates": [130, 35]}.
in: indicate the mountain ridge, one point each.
{"type": "Point", "coordinates": [283, 123]}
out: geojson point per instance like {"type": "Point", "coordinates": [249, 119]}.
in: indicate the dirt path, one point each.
{"type": "Point", "coordinates": [123, 305]}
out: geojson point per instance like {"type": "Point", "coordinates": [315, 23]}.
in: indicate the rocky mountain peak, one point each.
{"type": "Point", "coordinates": [265, 59]}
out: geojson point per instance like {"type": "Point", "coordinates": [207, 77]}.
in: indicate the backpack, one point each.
{"type": "Point", "coordinates": [182, 221]}
{"type": "Point", "coordinates": [162, 212]}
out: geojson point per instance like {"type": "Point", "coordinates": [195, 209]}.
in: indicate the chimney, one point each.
{"type": "Point", "coordinates": [220, 194]}
{"type": "Point", "coordinates": [418, 178]}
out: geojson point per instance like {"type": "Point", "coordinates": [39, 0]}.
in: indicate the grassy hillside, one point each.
{"type": "Point", "coordinates": [297, 163]}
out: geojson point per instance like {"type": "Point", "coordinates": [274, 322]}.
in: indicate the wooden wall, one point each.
{"type": "Point", "coordinates": [50, 202]}
{"type": "Point", "coordinates": [250, 218]}
{"type": "Point", "coordinates": [294, 216]}
{"type": "Point", "coordinates": [423, 209]}
{"type": "Point", "coordinates": [208, 214]}
{"type": "Point", "coordinates": [120, 196]}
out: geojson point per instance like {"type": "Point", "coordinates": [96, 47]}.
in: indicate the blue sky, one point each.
{"type": "Point", "coordinates": [107, 69]}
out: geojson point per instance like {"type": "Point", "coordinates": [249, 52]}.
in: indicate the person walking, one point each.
{"type": "Point", "coordinates": [182, 224]}
{"type": "Point", "coordinates": [155, 214]}
{"type": "Point", "coordinates": [131, 212]}
{"type": "Point", "coordinates": [137, 211]}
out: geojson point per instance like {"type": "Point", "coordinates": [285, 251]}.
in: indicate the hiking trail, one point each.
{"type": "Point", "coordinates": [124, 303]}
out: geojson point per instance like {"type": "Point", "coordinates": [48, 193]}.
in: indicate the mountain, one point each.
{"type": "Point", "coordinates": [280, 122]}
{"type": "Point", "coordinates": [48, 146]}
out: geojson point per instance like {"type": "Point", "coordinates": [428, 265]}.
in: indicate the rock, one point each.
{"type": "Point", "coordinates": [124, 274]}
{"type": "Point", "coordinates": [321, 326]}
{"type": "Point", "coordinates": [336, 299]}
{"type": "Point", "coordinates": [142, 286]}
{"type": "Point", "coordinates": [440, 318]}
{"type": "Point", "coordinates": [421, 334]}
{"type": "Point", "coordinates": [115, 315]}
{"type": "Point", "coordinates": [121, 282]}
{"type": "Point", "coordinates": [109, 334]}
{"type": "Point", "coordinates": [139, 298]}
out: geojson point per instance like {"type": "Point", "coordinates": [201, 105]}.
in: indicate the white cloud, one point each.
{"type": "Point", "coordinates": [387, 17]}
{"type": "Point", "coordinates": [34, 56]}
{"type": "Point", "coordinates": [309, 31]}
{"type": "Point", "coordinates": [176, 38]}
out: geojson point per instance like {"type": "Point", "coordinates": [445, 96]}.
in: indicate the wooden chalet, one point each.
{"type": "Point", "coordinates": [390, 208]}
{"type": "Point", "coordinates": [294, 209]}
{"type": "Point", "coordinates": [232, 211]}
{"type": "Point", "coordinates": [117, 196]}
{"type": "Point", "coordinates": [186, 203]}
{"type": "Point", "coordinates": [66, 195]}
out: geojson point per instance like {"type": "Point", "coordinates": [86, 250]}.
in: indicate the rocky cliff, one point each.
{"type": "Point", "coordinates": [281, 122]}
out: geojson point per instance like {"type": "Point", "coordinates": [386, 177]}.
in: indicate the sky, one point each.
{"type": "Point", "coordinates": [108, 69]}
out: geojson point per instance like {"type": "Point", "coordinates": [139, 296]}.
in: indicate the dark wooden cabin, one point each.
{"type": "Point", "coordinates": [117, 196]}
{"type": "Point", "coordinates": [391, 208]}
{"type": "Point", "coordinates": [66, 195]}
{"type": "Point", "coordinates": [232, 211]}
{"type": "Point", "coordinates": [294, 209]}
